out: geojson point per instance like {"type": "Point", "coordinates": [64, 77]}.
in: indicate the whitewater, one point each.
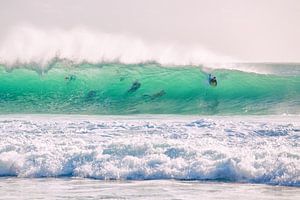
{"type": "Point", "coordinates": [145, 147]}
{"type": "Point", "coordinates": [80, 108]}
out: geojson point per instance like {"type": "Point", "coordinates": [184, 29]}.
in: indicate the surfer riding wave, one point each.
{"type": "Point", "coordinates": [212, 80]}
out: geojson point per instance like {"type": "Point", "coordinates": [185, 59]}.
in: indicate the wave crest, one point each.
{"type": "Point", "coordinates": [27, 44]}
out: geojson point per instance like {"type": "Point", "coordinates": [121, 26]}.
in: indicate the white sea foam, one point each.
{"type": "Point", "coordinates": [242, 150]}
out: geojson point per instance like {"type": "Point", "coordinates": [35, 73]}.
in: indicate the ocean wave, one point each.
{"type": "Point", "coordinates": [145, 88]}
{"type": "Point", "coordinates": [228, 149]}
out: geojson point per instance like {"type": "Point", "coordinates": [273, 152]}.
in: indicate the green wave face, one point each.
{"type": "Point", "coordinates": [145, 89]}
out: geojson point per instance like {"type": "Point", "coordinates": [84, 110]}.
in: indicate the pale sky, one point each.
{"type": "Point", "coordinates": [249, 30]}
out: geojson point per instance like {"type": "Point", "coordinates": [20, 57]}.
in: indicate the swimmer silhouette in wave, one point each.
{"type": "Point", "coordinates": [134, 87]}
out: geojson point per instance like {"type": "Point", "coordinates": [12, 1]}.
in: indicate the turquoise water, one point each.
{"type": "Point", "coordinates": [119, 89]}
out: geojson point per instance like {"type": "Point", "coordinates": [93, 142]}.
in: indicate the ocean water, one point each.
{"type": "Point", "coordinates": [63, 87]}
{"type": "Point", "coordinates": [127, 131]}
{"type": "Point", "coordinates": [77, 188]}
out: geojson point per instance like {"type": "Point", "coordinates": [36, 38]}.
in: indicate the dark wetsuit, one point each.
{"type": "Point", "coordinates": [134, 87]}
{"type": "Point", "coordinates": [212, 80]}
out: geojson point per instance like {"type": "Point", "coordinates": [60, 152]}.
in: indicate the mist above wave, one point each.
{"type": "Point", "coordinates": [27, 44]}
{"type": "Point", "coordinates": [32, 47]}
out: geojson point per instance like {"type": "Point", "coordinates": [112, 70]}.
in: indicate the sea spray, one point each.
{"type": "Point", "coordinates": [28, 44]}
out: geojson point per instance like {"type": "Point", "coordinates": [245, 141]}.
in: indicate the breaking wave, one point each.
{"type": "Point", "coordinates": [253, 150]}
